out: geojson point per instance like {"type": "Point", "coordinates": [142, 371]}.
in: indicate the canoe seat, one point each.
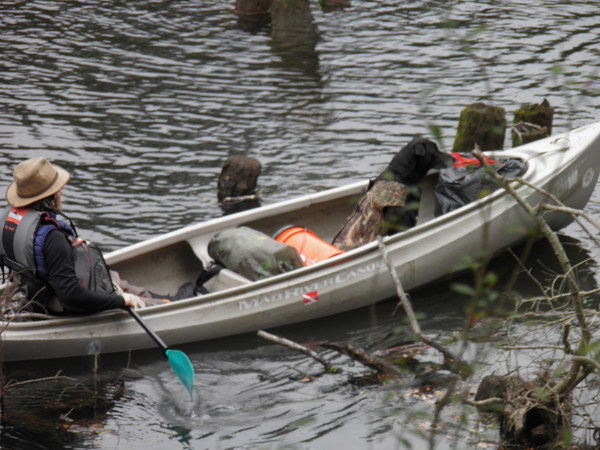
{"type": "Point", "coordinates": [226, 278]}
{"type": "Point", "coordinates": [426, 205]}
{"type": "Point", "coordinates": [427, 202]}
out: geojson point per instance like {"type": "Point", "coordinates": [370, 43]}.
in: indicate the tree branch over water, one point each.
{"type": "Point", "coordinates": [459, 365]}
{"type": "Point", "coordinates": [557, 247]}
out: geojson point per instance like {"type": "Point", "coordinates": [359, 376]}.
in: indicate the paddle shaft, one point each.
{"type": "Point", "coordinates": [148, 330]}
{"type": "Point", "coordinates": [178, 360]}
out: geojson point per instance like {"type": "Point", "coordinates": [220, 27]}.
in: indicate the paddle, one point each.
{"type": "Point", "coordinates": [178, 360]}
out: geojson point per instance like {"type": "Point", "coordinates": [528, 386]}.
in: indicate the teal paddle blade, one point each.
{"type": "Point", "coordinates": [182, 367]}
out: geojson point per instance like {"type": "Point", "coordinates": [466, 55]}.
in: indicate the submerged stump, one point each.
{"type": "Point", "coordinates": [237, 184]}
{"type": "Point", "coordinates": [480, 125]}
{"type": "Point", "coordinates": [532, 122]}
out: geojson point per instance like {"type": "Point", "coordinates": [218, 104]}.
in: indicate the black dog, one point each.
{"type": "Point", "coordinates": [391, 201]}
{"type": "Point", "coordinates": [409, 167]}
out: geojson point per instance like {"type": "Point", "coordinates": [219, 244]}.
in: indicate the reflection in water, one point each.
{"type": "Point", "coordinates": [253, 16]}
{"type": "Point", "coordinates": [295, 36]}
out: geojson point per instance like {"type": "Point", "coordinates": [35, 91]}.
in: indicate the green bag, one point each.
{"type": "Point", "coordinates": [252, 254]}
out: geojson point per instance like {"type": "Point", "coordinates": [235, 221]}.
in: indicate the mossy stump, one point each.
{"type": "Point", "coordinates": [532, 122]}
{"type": "Point", "coordinates": [480, 125]}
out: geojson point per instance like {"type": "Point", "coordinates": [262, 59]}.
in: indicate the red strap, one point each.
{"type": "Point", "coordinates": [77, 242]}
{"type": "Point", "coordinates": [463, 161]}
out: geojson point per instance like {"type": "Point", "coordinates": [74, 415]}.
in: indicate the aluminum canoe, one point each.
{"type": "Point", "coordinates": [566, 165]}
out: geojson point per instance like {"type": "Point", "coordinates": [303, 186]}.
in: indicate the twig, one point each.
{"type": "Point", "coordinates": [530, 347]}
{"type": "Point", "coordinates": [39, 380]}
{"type": "Point", "coordinates": [552, 239]}
{"type": "Point", "coordinates": [28, 315]}
{"type": "Point", "coordinates": [562, 296]}
{"type": "Point", "coordinates": [364, 358]}
{"type": "Point", "coordinates": [482, 403]}
{"type": "Point", "coordinates": [561, 207]}
{"type": "Point", "coordinates": [439, 406]}
{"type": "Point", "coordinates": [296, 346]}
{"type": "Point", "coordinates": [528, 272]}
{"type": "Point", "coordinates": [588, 361]}
{"type": "Point", "coordinates": [405, 349]}
{"type": "Point", "coordinates": [526, 126]}
{"type": "Point", "coordinates": [572, 211]}
{"type": "Point", "coordinates": [565, 338]}
{"type": "Point", "coordinates": [575, 213]}
{"type": "Point", "coordinates": [578, 371]}
{"type": "Point", "coordinates": [408, 309]}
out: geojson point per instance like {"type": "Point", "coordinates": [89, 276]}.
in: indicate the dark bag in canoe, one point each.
{"type": "Point", "coordinates": [459, 186]}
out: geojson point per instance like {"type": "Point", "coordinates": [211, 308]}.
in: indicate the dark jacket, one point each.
{"type": "Point", "coordinates": [64, 283]}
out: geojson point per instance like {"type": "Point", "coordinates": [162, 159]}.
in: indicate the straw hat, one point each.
{"type": "Point", "coordinates": [34, 180]}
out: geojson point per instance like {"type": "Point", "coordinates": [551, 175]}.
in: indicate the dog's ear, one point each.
{"type": "Point", "coordinates": [420, 149]}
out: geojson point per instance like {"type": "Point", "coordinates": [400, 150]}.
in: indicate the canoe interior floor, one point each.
{"type": "Point", "coordinates": [164, 270]}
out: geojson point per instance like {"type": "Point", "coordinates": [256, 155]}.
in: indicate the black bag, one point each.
{"type": "Point", "coordinates": [90, 267]}
{"type": "Point", "coordinates": [459, 186]}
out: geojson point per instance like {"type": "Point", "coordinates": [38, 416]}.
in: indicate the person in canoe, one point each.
{"type": "Point", "coordinates": [52, 269]}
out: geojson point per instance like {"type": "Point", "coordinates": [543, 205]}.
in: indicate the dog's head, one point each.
{"type": "Point", "coordinates": [414, 160]}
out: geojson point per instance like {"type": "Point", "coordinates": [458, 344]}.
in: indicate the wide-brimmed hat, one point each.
{"type": "Point", "coordinates": [35, 179]}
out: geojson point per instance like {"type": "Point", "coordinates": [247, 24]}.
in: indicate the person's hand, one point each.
{"type": "Point", "coordinates": [133, 301]}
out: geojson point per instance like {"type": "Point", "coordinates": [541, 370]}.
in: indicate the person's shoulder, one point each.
{"type": "Point", "coordinates": [56, 237]}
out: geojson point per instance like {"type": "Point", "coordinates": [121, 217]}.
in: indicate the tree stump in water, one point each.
{"type": "Point", "coordinates": [532, 122]}
{"type": "Point", "coordinates": [482, 126]}
{"type": "Point", "coordinates": [252, 7]}
{"type": "Point", "coordinates": [253, 15]}
{"type": "Point", "coordinates": [237, 184]}
{"type": "Point", "coordinates": [527, 417]}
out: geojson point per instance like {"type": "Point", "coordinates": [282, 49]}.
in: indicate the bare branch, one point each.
{"type": "Point", "coordinates": [588, 361]}
{"type": "Point", "coordinates": [412, 318]}
{"type": "Point", "coordinates": [552, 239]}
{"type": "Point", "coordinates": [364, 358]}
{"type": "Point", "coordinates": [530, 347]}
{"type": "Point", "coordinates": [560, 206]}
{"type": "Point", "coordinates": [39, 380]}
{"type": "Point", "coordinates": [296, 346]}
{"type": "Point", "coordinates": [482, 403]}
{"type": "Point", "coordinates": [572, 211]}
{"type": "Point", "coordinates": [528, 272]}
{"type": "Point", "coordinates": [563, 296]}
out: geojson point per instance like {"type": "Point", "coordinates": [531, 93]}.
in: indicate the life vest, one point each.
{"type": "Point", "coordinates": [18, 237]}
{"type": "Point", "coordinates": [22, 238]}
{"type": "Point", "coordinates": [464, 160]}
